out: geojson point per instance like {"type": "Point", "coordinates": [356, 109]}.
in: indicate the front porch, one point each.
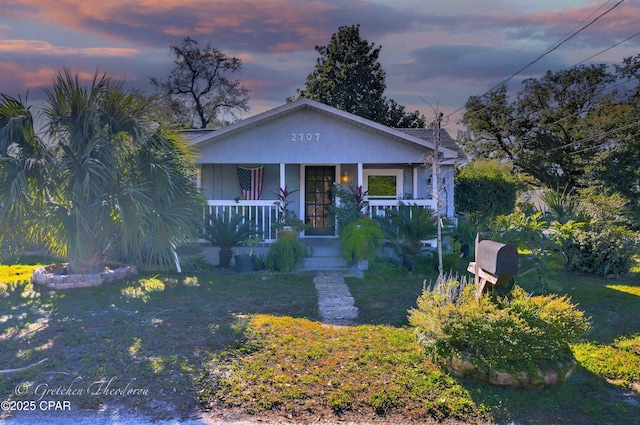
{"type": "Point", "coordinates": [264, 214]}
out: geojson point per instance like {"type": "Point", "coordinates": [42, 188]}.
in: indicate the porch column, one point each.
{"type": "Point", "coordinates": [360, 176]}
{"type": "Point", "coordinates": [199, 176]}
{"type": "Point", "coordinates": [415, 182]}
{"type": "Point", "coordinates": [283, 180]}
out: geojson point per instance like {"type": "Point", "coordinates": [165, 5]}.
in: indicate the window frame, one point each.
{"type": "Point", "coordinates": [397, 172]}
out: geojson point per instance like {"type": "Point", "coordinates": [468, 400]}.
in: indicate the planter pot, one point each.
{"type": "Point", "coordinates": [225, 257]}
{"type": "Point", "coordinates": [245, 263]}
{"type": "Point", "coordinates": [363, 265]}
{"type": "Point", "coordinates": [287, 233]}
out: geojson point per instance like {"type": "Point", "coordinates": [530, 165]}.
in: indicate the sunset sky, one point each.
{"type": "Point", "coordinates": [435, 51]}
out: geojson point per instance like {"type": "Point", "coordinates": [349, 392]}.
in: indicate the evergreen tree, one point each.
{"type": "Point", "coordinates": [349, 77]}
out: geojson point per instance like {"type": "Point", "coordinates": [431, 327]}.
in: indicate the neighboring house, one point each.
{"type": "Point", "coordinates": [307, 146]}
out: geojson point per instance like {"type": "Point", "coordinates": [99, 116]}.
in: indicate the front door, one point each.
{"type": "Point", "coordinates": [318, 198]}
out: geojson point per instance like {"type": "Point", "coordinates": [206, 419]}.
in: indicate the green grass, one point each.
{"type": "Point", "coordinates": [297, 366]}
{"type": "Point", "coordinates": [158, 331]}
{"type": "Point", "coordinates": [253, 342]}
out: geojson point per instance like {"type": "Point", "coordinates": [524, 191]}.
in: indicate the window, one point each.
{"type": "Point", "coordinates": [381, 183]}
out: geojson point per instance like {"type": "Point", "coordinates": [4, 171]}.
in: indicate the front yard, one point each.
{"type": "Point", "coordinates": [169, 345]}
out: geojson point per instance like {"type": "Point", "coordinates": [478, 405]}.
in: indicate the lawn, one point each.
{"type": "Point", "coordinates": [252, 343]}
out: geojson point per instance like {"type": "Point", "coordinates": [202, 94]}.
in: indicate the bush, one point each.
{"type": "Point", "coordinates": [284, 254]}
{"type": "Point", "coordinates": [605, 251]}
{"type": "Point", "coordinates": [427, 262]}
{"type": "Point", "coordinates": [517, 333]}
{"type": "Point", "coordinates": [405, 228]}
{"type": "Point", "coordinates": [485, 189]}
{"type": "Point", "coordinates": [387, 267]}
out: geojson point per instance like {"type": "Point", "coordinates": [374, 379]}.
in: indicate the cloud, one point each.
{"type": "Point", "coordinates": [445, 49]}
{"type": "Point", "coordinates": [35, 47]}
{"type": "Point", "coordinates": [472, 63]}
{"type": "Point", "coordinates": [14, 75]}
{"type": "Point", "coordinates": [239, 25]}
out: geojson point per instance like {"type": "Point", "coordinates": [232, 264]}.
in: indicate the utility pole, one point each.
{"type": "Point", "coordinates": [435, 181]}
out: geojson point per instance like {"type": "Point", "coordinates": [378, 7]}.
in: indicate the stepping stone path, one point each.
{"type": "Point", "coordinates": [335, 302]}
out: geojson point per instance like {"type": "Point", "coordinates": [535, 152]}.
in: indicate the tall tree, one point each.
{"type": "Point", "coordinates": [349, 77]}
{"type": "Point", "coordinates": [199, 89]}
{"type": "Point", "coordinates": [107, 183]}
{"type": "Point", "coordinates": [550, 131]}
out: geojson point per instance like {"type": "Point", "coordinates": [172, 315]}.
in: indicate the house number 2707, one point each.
{"type": "Point", "coordinates": [305, 137]}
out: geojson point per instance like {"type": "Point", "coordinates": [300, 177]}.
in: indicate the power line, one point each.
{"type": "Point", "coordinates": [594, 137]}
{"type": "Point", "coordinates": [563, 41]}
{"type": "Point", "coordinates": [560, 43]}
{"type": "Point", "coordinates": [608, 48]}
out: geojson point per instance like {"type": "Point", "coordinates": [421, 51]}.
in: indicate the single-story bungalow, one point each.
{"type": "Point", "coordinates": [307, 146]}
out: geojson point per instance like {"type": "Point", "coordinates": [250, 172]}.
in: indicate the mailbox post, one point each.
{"type": "Point", "coordinates": [494, 264]}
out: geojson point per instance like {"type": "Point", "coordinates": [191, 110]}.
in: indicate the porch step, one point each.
{"type": "Point", "coordinates": [323, 254]}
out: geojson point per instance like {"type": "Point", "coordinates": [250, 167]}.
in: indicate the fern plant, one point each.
{"type": "Point", "coordinates": [360, 239]}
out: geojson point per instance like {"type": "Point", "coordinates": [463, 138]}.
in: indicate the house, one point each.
{"type": "Point", "coordinates": [307, 146]}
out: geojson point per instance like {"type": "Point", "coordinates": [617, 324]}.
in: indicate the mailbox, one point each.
{"type": "Point", "coordinates": [497, 258]}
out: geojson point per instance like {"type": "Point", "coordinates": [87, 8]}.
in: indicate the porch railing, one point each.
{"type": "Point", "coordinates": [262, 214]}
{"type": "Point", "coordinates": [377, 206]}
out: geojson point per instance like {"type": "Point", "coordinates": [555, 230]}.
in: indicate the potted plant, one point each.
{"type": "Point", "coordinates": [226, 232]}
{"type": "Point", "coordinates": [352, 206]}
{"type": "Point", "coordinates": [287, 224]}
{"type": "Point", "coordinates": [246, 262]}
{"type": "Point", "coordinates": [359, 241]}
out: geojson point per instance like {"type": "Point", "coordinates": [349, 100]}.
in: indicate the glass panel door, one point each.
{"type": "Point", "coordinates": [318, 198]}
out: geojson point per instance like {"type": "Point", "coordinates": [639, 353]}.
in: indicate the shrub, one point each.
{"type": "Point", "coordinates": [387, 267]}
{"type": "Point", "coordinates": [360, 239]}
{"type": "Point", "coordinates": [284, 254]}
{"type": "Point", "coordinates": [605, 251]}
{"type": "Point", "coordinates": [485, 189]}
{"type": "Point", "coordinates": [517, 333]}
{"type": "Point", "coordinates": [195, 263]}
{"type": "Point", "coordinates": [427, 262]}
{"type": "Point", "coordinates": [406, 227]}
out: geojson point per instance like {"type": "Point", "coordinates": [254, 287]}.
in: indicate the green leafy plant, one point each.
{"type": "Point", "coordinates": [531, 233]}
{"type": "Point", "coordinates": [97, 179]}
{"type": "Point", "coordinates": [406, 227]}
{"type": "Point", "coordinates": [226, 232]}
{"type": "Point", "coordinates": [284, 254]}
{"type": "Point", "coordinates": [464, 234]}
{"type": "Point", "coordinates": [352, 205]}
{"type": "Point", "coordinates": [360, 239]}
{"type": "Point", "coordinates": [287, 218]}
{"type": "Point", "coordinates": [485, 189]}
{"type": "Point", "coordinates": [562, 207]}
{"type": "Point", "coordinates": [604, 251]}
{"type": "Point", "coordinates": [516, 333]}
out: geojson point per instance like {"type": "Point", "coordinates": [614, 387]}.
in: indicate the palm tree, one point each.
{"type": "Point", "coordinates": [103, 180]}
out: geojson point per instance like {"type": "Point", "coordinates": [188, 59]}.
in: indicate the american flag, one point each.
{"type": "Point", "coordinates": [251, 182]}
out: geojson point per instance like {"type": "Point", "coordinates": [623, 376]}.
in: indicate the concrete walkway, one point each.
{"type": "Point", "coordinates": [335, 302]}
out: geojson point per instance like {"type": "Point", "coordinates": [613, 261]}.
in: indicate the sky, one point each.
{"type": "Point", "coordinates": [436, 53]}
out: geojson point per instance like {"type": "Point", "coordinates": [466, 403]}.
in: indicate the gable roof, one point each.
{"type": "Point", "coordinates": [449, 150]}
{"type": "Point", "coordinates": [446, 141]}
